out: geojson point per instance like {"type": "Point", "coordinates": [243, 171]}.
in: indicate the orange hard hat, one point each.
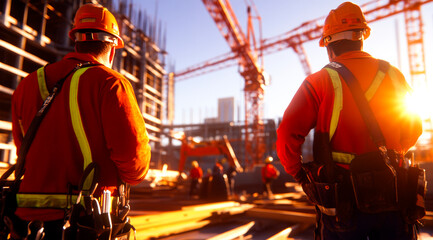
{"type": "Point", "coordinates": [269, 159]}
{"type": "Point", "coordinates": [346, 17]}
{"type": "Point", "coordinates": [95, 17]}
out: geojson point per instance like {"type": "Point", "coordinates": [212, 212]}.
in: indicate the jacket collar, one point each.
{"type": "Point", "coordinates": [351, 55]}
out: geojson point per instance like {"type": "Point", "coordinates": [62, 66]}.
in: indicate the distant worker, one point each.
{"type": "Point", "coordinates": [205, 186]}
{"type": "Point", "coordinates": [94, 118]}
{"type": "Point", "coordinates": [219, 189]}
{"type": "Point", "coordinates": [195, 174]}
{"type": "Point", "coordinates": [231, 173]}
{"type": "Point", "coordinates": [269, 174]}
{"type": "Point", "coordinates": [218, 168]}
{"type": "Point", "coordinates": [343, 145]}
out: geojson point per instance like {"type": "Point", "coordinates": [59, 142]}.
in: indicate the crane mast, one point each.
{"type": "Point", "coordinates": [248, 58]}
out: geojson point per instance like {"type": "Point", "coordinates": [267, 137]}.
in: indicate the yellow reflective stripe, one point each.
{"type": "Point", "coordinates": [45, 200]}
{"type": "Point", "coordinates": [77, 124]}
{"type": "Point", "coordinates": [340, 157]}
{"type": "Point", "coordinates": [374, 85]}
{"type": "Point", "coordinates": [42, 84]}
{"type": "Point", "coordinates": [338, 101]}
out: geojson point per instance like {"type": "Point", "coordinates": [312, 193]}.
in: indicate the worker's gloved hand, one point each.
{"type": "Point", "coordinates": [301, 177]}
{"type": "Point", "coordinates": [307, 186]}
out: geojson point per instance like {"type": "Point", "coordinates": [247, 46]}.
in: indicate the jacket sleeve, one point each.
{"type": "Point", "coordinates": [411, 123]}
{"type": "Point", "coordinates": [298, 119]}
{"type": "Point", "coordinates": [125, 132]}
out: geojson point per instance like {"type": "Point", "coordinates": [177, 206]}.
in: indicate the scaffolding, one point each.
{"type": "Point", "coordinates": [35, 33]}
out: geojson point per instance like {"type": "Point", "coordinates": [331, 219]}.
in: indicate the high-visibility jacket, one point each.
{"type": "Point", "coordinates": [196, 173]}
{"type": "Point", "coordinates": [324, 102]}
{"type": "Point", "coordinates": [113, 134]}
{"type": "Point", "coordinates": [269, 172]}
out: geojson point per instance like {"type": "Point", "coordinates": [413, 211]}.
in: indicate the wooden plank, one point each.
{"type": "Point", "coordinates": [289, 216]}
{"type": "Point", "coordinates": [169, 229]}
{"type": "Point", "coordinates": [192, 213]}
{"type": "Point", "coordinates": [427, 220]}
{"type": "Point", "coordinates": [234, 233]}
{"type": "Point", "coordinates": [281, 235]}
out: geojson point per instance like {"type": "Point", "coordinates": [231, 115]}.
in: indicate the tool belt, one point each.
{"type": "Point", "coordinates": [8, 204]}
{"type": "Point", "coordinates": [91, 220]}
{"type": "Point", "coordinates": [376, 184]}
{"type": "Point", "coordinates": [385, 182]}
{"type": "Point", "coordinates": [333, 198]}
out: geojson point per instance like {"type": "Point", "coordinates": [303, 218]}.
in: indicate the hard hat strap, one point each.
{"type": "Point", "coordinates": [348, 35]}
{"type": "Point", "coordinates": [96, 36]}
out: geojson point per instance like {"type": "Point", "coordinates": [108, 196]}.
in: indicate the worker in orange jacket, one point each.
{"type": "Point", "coordinates": [324, 102]}
{"type": "Point", "coordinates": [269, 174]}
{"type": "Point", "coordinates": [195, 174]}
{"type": "Point", "coordinates": [94, 118]}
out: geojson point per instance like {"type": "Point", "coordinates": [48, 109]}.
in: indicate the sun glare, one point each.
{"type": "Point", "coordinates": [420, 102]}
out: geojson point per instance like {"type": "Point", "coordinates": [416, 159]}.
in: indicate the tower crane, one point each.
{"type": "Point", "coordinates": [248, 56]}
{"type": "Point", "coordinates": [241, 52]}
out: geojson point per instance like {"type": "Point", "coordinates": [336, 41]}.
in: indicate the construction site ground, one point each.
{"type": "Point", "coordinates": [172, 214]}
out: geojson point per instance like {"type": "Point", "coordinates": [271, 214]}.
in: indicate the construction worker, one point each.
{"type": "Point", "coordinates": [219, 188]}
{"type": "Point", "coordinates": [94, 118]}
{"type": "Point", "coordinates": [195, 174]}
{"type": "Point", "coordinates": [324, 102]}
{"type": "Point", "coordinates": [231, 172]}
{"type": "Point", "coordinates": [205, 186]}
{"type": "Point", "coordinates": [269, 174]}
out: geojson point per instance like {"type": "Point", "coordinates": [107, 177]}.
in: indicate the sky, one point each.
{"type": "Point", "coordinates": [192, 37]}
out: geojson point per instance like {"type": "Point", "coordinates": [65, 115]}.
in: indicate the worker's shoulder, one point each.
{"type": "Point", "coordinates": [104, 72]}
{"type": "Point", "coordinates": [27, 82]}
{"type": "Point", "coordinates": [317, 77]}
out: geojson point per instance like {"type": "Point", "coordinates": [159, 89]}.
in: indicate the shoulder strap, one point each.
{"type": "Point", "coordinates": [31, 132]}
{"type": "Point", "coordinates": [361, 101]}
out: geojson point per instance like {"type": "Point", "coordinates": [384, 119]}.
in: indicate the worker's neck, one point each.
{"type": "Point", "coordinates": [105, 59]}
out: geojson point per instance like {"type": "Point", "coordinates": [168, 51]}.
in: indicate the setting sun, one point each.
{"type": "Point", "coordinates": [419, 102]}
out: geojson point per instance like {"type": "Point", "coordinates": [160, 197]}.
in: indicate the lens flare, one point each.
{"type": "Point", "coordinates": [419, 102]}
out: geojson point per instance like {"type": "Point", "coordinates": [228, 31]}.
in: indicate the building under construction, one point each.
{"type": "Point", "coordinates": [35, 33]}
